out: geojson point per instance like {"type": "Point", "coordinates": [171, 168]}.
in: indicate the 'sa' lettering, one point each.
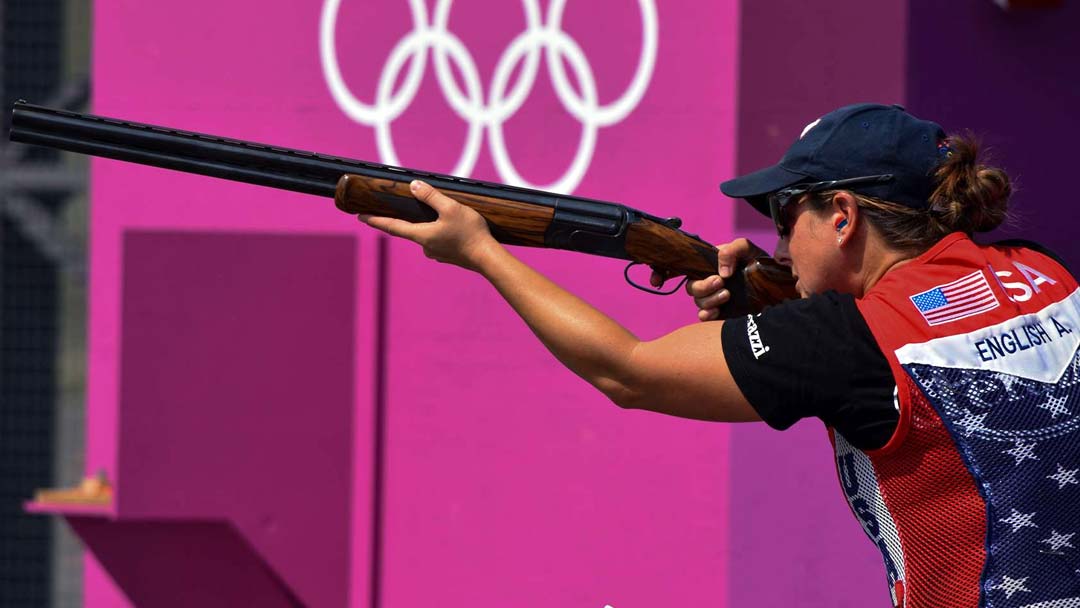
{"type": "Point", "coordinates": [1022, 291]}
{"type": "Point", "coordinates": [1034, 277]}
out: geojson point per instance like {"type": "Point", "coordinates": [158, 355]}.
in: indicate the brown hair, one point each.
{"type": "Point", "coordinates": [968, 197]}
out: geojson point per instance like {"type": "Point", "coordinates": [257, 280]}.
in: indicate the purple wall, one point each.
{"type": "Point", "coordinates": [1008, 76]}
{"type": "Point", "coordinates": [1012, 79]}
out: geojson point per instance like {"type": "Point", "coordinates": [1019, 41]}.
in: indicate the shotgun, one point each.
{"type": "Point", "coordinates": [516, 216]}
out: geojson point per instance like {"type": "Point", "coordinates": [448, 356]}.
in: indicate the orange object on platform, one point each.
{"type": "Point", "coordinates": [94, 490]}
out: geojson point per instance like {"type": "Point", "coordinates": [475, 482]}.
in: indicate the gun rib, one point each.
{"type": "Point", "coordinates": [188, 164]}
{"type": "Point", "coordinates": [237, 160]}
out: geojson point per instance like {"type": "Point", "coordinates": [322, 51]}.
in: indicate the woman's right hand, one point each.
{"type": "Point", "coordinates": [709, 293]}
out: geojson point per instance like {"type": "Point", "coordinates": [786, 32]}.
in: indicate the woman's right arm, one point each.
{"type": "Point", "coordinates": [681, 374]}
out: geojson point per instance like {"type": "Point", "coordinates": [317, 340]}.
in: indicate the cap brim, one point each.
{"type": "Point", "coordinates": [754, 186]}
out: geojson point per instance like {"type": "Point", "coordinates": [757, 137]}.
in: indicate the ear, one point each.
{"type": "Point", "coordinates": [844, 216]}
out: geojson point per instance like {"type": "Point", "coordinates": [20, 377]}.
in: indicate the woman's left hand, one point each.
{"type": "Point", "coordinates": [460, 235]}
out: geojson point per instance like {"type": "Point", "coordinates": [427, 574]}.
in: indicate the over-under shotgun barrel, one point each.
{"type": "Point", "coordinates": [518, 216]}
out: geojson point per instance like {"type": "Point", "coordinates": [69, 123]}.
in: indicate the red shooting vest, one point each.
{"type": "Point", "coordinates": [975, 500]}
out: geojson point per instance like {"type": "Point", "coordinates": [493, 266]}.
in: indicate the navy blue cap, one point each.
{"type": "Point", "coordinates": [855, 141]}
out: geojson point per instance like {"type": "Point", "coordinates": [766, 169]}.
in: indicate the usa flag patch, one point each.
{"type": "Point", "coordinates": [964, 297]}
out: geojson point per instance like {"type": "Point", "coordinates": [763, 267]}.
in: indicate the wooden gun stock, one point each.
{"type": "Point", "coordinates": [761, 282]}
{"type": "Point", "coordinates": [511, 222]}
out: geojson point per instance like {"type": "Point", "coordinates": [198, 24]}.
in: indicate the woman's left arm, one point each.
{"type": "Point", "coordinates": [682, 374]}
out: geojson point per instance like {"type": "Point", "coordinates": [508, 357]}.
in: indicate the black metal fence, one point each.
{"type": "Point", "coordinates": [41, 268]}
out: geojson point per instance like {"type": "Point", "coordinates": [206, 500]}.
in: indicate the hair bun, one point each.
{"type": "Point", "coordinates": [969, 197]}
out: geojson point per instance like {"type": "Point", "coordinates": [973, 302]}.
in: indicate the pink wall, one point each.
{"type": "Point", "coordinates": [510, 481]}
{"type": "Point", "coordinates": [504, 479]}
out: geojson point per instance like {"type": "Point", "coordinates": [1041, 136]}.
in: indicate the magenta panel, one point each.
{"type": "Point", "coordinates": [236, 393]}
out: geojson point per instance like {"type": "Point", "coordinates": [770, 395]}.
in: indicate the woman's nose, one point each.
{"type": "Point", "coordinates": [781, 254]}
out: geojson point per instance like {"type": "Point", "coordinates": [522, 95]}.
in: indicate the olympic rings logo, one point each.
{"type": "Point", "coordinates": [502, 99]}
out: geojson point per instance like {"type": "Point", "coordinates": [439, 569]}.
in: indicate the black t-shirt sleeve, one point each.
{"type": "Point", "coordinates": [814, 357]}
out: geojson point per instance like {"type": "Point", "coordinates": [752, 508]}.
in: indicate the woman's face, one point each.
{"type": "Point", "coordinates": [811, 249]}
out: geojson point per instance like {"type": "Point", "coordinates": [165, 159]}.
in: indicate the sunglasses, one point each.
{"type": "Point", "coordinates": [780, 199]}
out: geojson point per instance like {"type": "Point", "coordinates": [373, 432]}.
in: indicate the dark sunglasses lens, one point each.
{"type": "Point", "coordinates": [777, 201]}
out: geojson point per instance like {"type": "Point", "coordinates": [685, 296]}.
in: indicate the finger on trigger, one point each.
{"type": "Point", "coordinates": [704, 287]}
{"type": "Point", "coordinates": [714, 300]}
{"type": "Point", "coordinates": [724, 269]}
